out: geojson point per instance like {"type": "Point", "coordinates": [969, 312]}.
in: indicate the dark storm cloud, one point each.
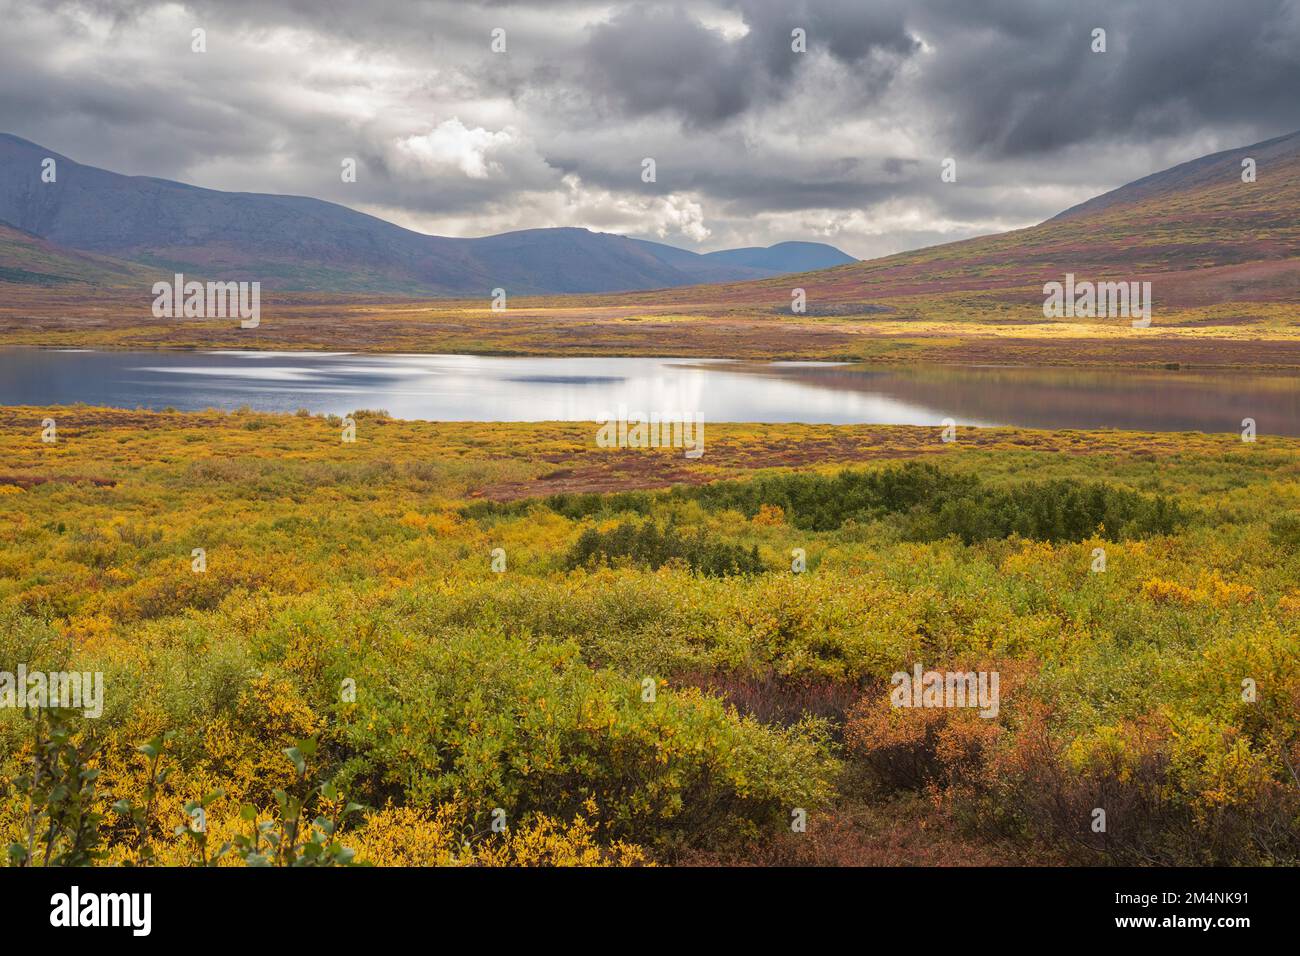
{"type": "Point", "coordinates": [852, 32]}
{"type": "Point", "coordinates": [1020, 77]}
{"type": "Point", "coordinates": [651, 59]}
{"type": "Point", "coordinates": [754, 143]}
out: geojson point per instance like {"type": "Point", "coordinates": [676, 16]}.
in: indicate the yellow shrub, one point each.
{"type": "Point", "coordinates": [1162, 591]}
{"type": "Point", "coordinates": [406, 836]}
{"type": "Point", "coordinates": [1210, 588]}
{"type": "Point", "coordinates": [769, 516]}
{"type": "Point", "coordinates": [444, 523]}
{"type": "Point", "coordinates": [1289, 604]}
{"type": "Point", "coordinates": [410, 836]}
{"type": "Point", "coordinates": [545, 841]}
{"type": "Point", "coordinates": [1032, 557]}
{"type": "Point", "coordinates": [280, 711]}
{"type": "Point", "coordinates": [89, 629]}
{"type": "Point", "coordinates": [1224, 593]}
{"type": "Point", "coordinates": [1214, 762]}
{"type": "Point", "coordinates": [1106, 750]}
{"type": "Point", "coordinates": [413, 520]}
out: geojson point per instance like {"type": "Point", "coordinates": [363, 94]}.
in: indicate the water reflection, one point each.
{"type": "Point", "coordinates": [476, 388]}
{"type": "Point", "coordinates": [1146, 400]}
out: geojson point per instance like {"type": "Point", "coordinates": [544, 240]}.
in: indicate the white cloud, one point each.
{"type": "Point", "coordinates": [455, 140]}
{"type": "Point", "coordinates": [451, 145]}
{"type": "Point", "coordinates": [673, 217]}
{"type": "Point", "coordinates": [675, 214]}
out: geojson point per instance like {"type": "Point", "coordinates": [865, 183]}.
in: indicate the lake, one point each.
{"type": "Point", "coordinates": [479, 388]}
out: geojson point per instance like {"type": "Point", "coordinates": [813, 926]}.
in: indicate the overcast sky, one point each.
{"type": "Point", "coordinates": [753, 143]}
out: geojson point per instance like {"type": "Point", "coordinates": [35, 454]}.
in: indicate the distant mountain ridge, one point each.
{"type": "Point", "coordinates": [296, 242]}
{"type": "Point", "coordinates": [1204, 234]}
{"type": "Point", "coordinates": [784, 257]}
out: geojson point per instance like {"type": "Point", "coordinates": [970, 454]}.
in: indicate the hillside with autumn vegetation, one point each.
{"type": "Point", "coordinates": [1197, 229]}
{"type": "Point", "coordinates": [299, 243]}
{"type": "Point", "coordinates": [1222, 256]}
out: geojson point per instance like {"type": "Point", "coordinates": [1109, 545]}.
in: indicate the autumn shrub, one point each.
{"type": "Point", "coordinates": [349, 595]}
{"type": "Point", "coordinates": [930, 503]}
{"type": "Point", "coordinates": [441, 836]}
{"type": "Point", "coordinates": [871, 830]}
{"type": "Point", "coordinates": [776, 699]}
{"type": "Point", "coordinates": [1285, 531]}
{"type": "Point", "coordinates": [648, 546]}
{"type": "Point", "coordinates": [1172, 791]}
{"type": "Point", "coordinates": [1155, 790]}
{"type": "Point", "coordinates": [531, 729]}
{"type": "Point", "coordinates": [914, 747]}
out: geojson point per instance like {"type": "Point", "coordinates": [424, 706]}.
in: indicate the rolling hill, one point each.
{"type": "Point", "coordinates": [299, 243]}
{"type": "Point", "coordinates": [1222, 256]}
{"type": "Point", "coordinates": [784, 257]}
{"type": "Point", "coordinates": [1196, 230]}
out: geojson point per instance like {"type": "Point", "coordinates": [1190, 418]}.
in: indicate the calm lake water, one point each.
{"type": "Point", "coordinates": [473, 388]}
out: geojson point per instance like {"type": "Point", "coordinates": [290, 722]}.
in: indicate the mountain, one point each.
{"type": "Point", "coordinates": [1214, 170]}
{"type": "Point", "coordinates": [295, 242]}
{"type": "Point", "coordinates": [784, 257]}
{"type": "Point", "coordinates": [1196, 230]}
{"type": "Point", "coordinates": [1201, 235]}
{"type": "Point", "coordinates": [29, 259]}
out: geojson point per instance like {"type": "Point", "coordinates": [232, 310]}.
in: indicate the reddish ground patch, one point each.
{"type": "Point", "coordinates": [903, 831]}
{"type": "Point", "coordinates": [29, 481]}
{"type": "Point", "coordinates": [590, 469]}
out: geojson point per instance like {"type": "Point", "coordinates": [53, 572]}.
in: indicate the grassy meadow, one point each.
{"type": "Point", "coordinates": [497, 644]}
{"type": "Point", "coordinates": [908, 326]}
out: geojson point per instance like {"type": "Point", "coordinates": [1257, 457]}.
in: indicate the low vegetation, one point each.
{"type": "Point", "coordinates": [375, 663]}
{"type": "Point", "coordinates": [928, 503]}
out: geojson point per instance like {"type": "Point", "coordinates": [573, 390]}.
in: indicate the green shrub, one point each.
{"type": "Point", "coordinates": [646, 545]}
{"type": "Point", "coordinates": [533, 729]}
{"type": "Point", "coordinates": [929, 503]}
{"type": "Point", "coordinates": [1285, 532]}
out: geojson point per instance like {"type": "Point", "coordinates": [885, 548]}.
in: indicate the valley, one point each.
{"type": "Point", "coordinates": [371, 547]}
{"type": "Point", "coordinates": [1228, 301]}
